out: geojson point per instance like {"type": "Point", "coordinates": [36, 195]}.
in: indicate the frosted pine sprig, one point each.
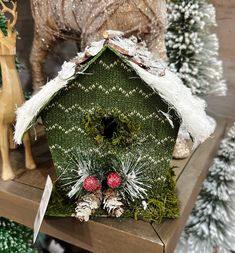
{"type": "Point", "coordinates": [79, 165]}
{"type": "Point", "coordinates": [135, 181]}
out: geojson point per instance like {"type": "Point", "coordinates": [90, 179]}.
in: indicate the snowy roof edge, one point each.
{"type": "Point", "coordinates": [190, 108]}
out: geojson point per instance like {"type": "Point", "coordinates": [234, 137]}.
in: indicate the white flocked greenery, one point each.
{"type": "Point", "coordinates": [168, 85]}
{"type": "Point", "coordinates": [192, 48]}
{"type": "Point", "coordinates": [211, 225]}
{"type": "Point", "coordinates": [193, 55]}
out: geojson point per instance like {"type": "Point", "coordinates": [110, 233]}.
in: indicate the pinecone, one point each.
{"type": "Point", "coordinates": [87, 205]}
{"type": "Point", "coordinates": [112, 202]}
{"type": "Point", "coordinates": [181, 149]}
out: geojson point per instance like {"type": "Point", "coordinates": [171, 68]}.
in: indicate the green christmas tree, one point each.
{"type": "Point", "coordinates": [192, 48]}
{"type": "Point", "coordinates": [211, 223]}
{"type": "Point", "coordinates": [193, 55]}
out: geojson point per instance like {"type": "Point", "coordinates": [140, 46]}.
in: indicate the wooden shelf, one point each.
{"type": "Point", "coordinates": [19, 201]}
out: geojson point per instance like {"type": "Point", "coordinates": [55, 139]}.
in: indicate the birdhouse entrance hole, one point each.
{"type": "Point", "coordinates": [110, 127]}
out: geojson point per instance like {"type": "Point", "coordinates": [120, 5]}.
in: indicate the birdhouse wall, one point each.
{"type": "Point", "coordinates": [110, 87]}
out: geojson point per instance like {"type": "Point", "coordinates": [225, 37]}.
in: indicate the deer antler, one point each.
{"type": "Point", "coordinates": [12, 11]}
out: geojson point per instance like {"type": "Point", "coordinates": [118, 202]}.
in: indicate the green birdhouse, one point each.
{"type": "Point", "coordinates": [111, 130]}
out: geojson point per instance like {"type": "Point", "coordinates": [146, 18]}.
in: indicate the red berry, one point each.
{"type": "Point", "coordinates": [114, 180]}
{"type": "Point", "coordinates": [91, 183]}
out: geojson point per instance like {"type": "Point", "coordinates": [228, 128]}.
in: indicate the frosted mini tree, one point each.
{"type": "Point", "coordinates": [192, 49]}
{"type": "Point", "coordinates": [212, 222]}
{"type": "Point", "coordinates": [15, 238]}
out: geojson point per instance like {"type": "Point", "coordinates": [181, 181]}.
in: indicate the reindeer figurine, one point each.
{"type": "Point", "coordinates": [11, 96]}
{"type": "Point", "coordinates": [85, 21]}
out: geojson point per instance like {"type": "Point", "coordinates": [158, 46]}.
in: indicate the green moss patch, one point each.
{"type": "Point", "coordinates": [59, 204]}
{"type": "Point", "coordinates": [165, 205]}
{"type": "Point", "coordinates": [110, 127]}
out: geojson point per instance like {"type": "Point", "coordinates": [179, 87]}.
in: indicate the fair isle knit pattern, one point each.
{"type": "Point", "coordinates": [115, 110]}
{"type": "Point", "coordinates": [151, 70]}
{"type": "Point", "coordinates": [111, 84]}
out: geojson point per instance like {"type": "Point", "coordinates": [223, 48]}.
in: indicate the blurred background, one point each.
{"type": "Point", "coordinates": [220, 106]}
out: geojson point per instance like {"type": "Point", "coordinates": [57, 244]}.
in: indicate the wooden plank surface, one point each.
{"type": "Point", "coordinates": [19, 200]}
{"type": "Point", "coordinates": [188, 185]}
{"type": "Point", "coordinates": [124, 235]}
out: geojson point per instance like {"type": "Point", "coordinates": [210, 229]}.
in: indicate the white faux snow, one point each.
{"type": "Point", "coordinates": [190, 109]}
{"type": "Point", "coordinates": [27, 113]}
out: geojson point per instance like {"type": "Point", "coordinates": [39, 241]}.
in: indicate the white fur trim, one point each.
{"type": "Point", "coordinates": [27, 113]}
{"type": "Point", "coordinates": [94, 48]}
{"type": "Point", "coordinates": [190, 109]}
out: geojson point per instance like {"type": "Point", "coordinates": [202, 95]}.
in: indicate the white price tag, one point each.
{"type": "Point", "coordinates": [42, 207]}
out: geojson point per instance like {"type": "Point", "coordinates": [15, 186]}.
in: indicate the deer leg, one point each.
{"type": "Point", "coordinates": [12, 144]}
{"type": "Point", "coordinates": [155, 38]}
{"type": "Point", "coordinates": [29, 161]}
{"type": "Point", "coordinates": [7, 172]}
{"type": "Point", "coordinates": [157, 46]}
{"type": "Point", "coordinates": [42, 44]}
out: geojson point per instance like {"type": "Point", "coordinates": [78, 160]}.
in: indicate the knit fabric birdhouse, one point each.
{"type": "Point", "coordinates": [112, 116]}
